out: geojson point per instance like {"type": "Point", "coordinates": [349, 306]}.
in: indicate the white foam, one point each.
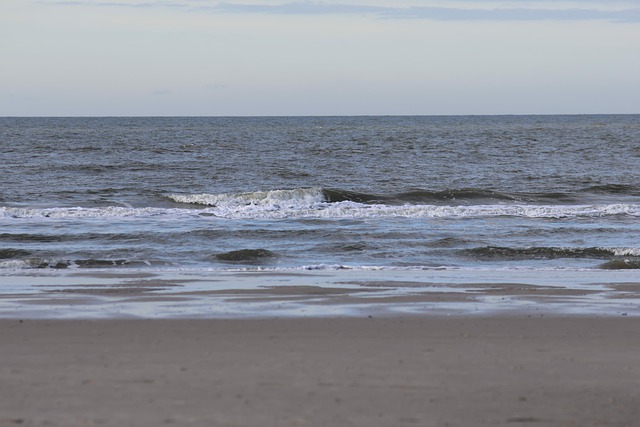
{"type": "Point", "coordinates": [310, 203]}
{"type": "Point", "coordinates": [273, 199]}
{"type": "Point", "coordinates": [77, 212]}
{"type": "Point", "coordinates": [627, 252]}
{"type": "Point", "coordinates": [359, 211]}
{"type": "Point", "coordinates": [14, 264]}
{"type": "Point", "coordinates": [300, 204]}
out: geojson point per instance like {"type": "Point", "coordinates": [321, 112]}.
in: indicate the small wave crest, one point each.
{"type": "Point", "coordinates": [309, 196]}
{"type": "Point", "coordinates": [246, 255]}
{"type": "Point", "coordinates": [634, 252]}
{"type": "Point", "coordinates": [458, 196]}
{"type": "Point", "coordinates": [533, 253]}
{"type": "Point", "coordinates": [506, 253]}
{"type": "Point", "coordinates": [13, 253]}
{"type": "Point", "coordinates": [621, 264]}
{"type": "Point", "coordinates": [28, 263]}
{"type": "Point", "coordinates": [463, 195]}
{"type": "Point", "coordinates": [272, 199]}
{"type": "Point", "coordinates": [617, 189]}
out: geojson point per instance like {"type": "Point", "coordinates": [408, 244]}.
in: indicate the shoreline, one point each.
{"type": "Point", "coordinates": [417, 370]}
{"type": "Point", "coordinates": [100, 294]}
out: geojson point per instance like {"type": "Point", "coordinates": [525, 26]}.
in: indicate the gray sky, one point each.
{"type": "Point", "coordinates": [331, 57]}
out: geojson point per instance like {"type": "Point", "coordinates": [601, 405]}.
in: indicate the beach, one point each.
{"type": "Point", "coordinates": [389, 371]}
{"type": "Point", "coordinates": [315, 348]}
{"type": "Point", "coordinates": [320, 271]}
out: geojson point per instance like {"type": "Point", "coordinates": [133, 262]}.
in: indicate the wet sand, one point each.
{"type": "Point", "coordinates": [358, 293]}
{"type": "Point", "coordinates": [390, 371]}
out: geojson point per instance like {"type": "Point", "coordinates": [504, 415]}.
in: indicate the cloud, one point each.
{"type": "Point", "coordinates": [480, 11]}
{"type": "Point", "coordinates": [440, 13]}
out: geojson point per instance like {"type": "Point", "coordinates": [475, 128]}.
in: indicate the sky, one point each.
{"type": "Point", "coordinates": [330, 57]}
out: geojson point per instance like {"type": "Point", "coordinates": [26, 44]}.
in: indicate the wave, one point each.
{"type": "Point", "coordinates": [615, 189]}
{"type": "Point", "coordinates": [528, 253]}
{"type": "Point", "coordinates": [22, 263]}
{"type": "Point", "coordinates": [621, 264]}
{"type": "Point", "coordinates": [13, 253]}
{"type": "Point", "coordinates": [336, 203]}
{"type": "Point", "coordinates": [318, 202]}
{"type": "Point", "coordinates": [454, 196]}
{"type": "Point", "coordinates": [246, 255]}
{"type": "Point", "coordinates": [333, 195]}
{"type": "Point", "coordinates": [464, 196]}
{"type": "Point", "coordinates": [267, 199]}
{"type": "Point", "coordinates": [323, 210]}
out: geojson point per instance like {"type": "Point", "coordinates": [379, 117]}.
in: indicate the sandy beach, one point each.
{"type": "Point", "coordinates": [390, 371]}
{"type": "Point", "coordinates": [341, 348]}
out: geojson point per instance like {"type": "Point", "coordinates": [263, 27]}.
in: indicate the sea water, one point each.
{"type": "Point", "coordinates": [184, 209]}
{"type": "Point", "coordinates": [464, 193]}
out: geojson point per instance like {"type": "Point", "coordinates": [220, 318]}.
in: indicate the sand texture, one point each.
{"type": "Point", "coordinates": [414, 371]}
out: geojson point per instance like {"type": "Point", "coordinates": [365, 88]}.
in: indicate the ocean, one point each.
{"type": "Point", "coordinates": [463, 196]}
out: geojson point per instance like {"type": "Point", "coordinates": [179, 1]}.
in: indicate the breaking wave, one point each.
{"type": "Point", "coordinates": [324, 203]}
{"type": "Point", "coordinates": [332, 195]}
{"type": "Point", "coordinates": [333, 203]}
{"type": "Point", "coordinates": [266, 199]}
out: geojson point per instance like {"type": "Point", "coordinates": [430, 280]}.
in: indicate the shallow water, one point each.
{"type": "Point", "coordinates": [346, 293]}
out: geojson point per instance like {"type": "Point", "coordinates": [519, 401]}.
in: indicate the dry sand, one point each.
{"type": "Point", "coordinates": [393, 371]}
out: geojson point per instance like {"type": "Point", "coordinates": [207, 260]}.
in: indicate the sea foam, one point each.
{"type": "Point", "coordinates": [270, 208]}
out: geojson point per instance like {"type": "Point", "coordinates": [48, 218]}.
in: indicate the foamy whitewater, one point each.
{"type": "Point", "coordinates": [499, 193]}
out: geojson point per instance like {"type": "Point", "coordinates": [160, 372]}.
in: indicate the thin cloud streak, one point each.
{"type": "Point", "coordinates": [629, 15]}
{"type": "Point", "coordinates": [439, 13]}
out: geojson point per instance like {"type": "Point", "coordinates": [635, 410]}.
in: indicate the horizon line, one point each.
{"type": "Point", "coordinates": [307, 115]}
